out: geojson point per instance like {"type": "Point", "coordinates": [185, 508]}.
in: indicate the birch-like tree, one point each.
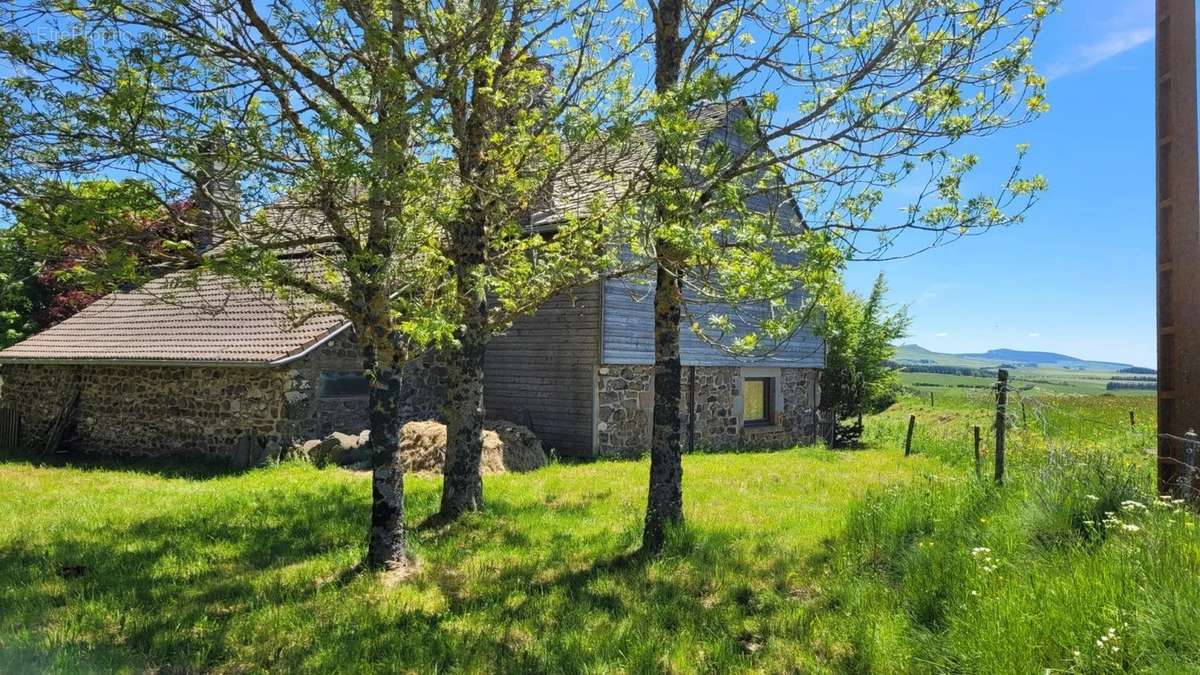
{"type": "Point", "coordinates": [306, 112]}
{"type": "Point", "coordinates": [527, 94]}
{"type": "Point", "coordinates": [390, 160]}
{"type": "Point", "coordinates": [853, 109]}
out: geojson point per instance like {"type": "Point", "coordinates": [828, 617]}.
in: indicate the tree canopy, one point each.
{"type": "Point", "coordinates": [860, 336]}
{"type": "Point", "coordinates": [76, 242]}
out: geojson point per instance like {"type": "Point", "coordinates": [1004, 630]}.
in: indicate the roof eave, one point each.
{"type": "Point", "coordinates": [39, 361]}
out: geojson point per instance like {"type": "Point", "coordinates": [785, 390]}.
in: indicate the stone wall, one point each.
{"type": "Point", "coordinates": [718, 389]}
{"type": "Point", "coordinates": [189, 410]}
{"type": "Point", "coordinates": [424, 388]}
{"type": "Point", "coordinates": [312, 415]}
{"type": "Point", "coordinates": [151, 410]}
{"type": "Point", "coordinates": [625, 403]}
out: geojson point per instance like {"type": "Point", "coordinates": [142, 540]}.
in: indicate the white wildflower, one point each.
{"type": "Point", "coordinates": [1130, 527]}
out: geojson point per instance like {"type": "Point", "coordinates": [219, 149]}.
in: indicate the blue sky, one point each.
{"type": "Point", "coordinates": [1078, 275]}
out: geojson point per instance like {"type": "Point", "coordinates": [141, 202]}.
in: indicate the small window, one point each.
{"type": "Point", "coordinates": [336, 384]}
{"type": "Point", "coordinates": [758, 401]}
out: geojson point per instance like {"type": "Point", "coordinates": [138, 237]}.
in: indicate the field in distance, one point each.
{"type": "Point", "coordinates": [926, 371]}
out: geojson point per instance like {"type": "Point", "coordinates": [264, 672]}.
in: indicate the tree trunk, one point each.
{"type": "Point", "coordinates": [664, 506]}
{"type": "Point", "coordinates": [387, 547]}
{"type": "Point", "coordinates": [462, 488]}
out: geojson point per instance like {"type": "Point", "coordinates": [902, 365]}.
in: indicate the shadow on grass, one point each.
{"type": "Point", "coordinates": [262, 578]}
{"type": "Point", "coordinates": [187, 468]}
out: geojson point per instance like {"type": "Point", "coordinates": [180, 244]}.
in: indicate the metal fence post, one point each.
{"type": "Point", "coordinates": [1186, 484]}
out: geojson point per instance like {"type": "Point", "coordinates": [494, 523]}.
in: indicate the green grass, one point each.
{"type": "Point", "coordinates": [1031, 380]}
{"type": "Point", "coordinates": [108, 568]}
{"type": "Point", "coordinates": [800, 561]}
{"type": "Point", "coordinates": [1057, 571]}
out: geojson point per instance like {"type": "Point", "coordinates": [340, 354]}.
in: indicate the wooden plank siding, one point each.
{"type": "Point", "coordinates": [541, 372]}
{"type": "Point", "coordinates": [628, 335]}
{"type": "Point", "coordinates": [628, 322]}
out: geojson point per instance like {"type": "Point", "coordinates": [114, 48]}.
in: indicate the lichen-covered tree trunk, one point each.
{"type": "Point", "coordinates": [387, 546]}
{"type": "Point", "coordinates": [462, 488]}
{"type": "Point", "coordinates": [664, 505]}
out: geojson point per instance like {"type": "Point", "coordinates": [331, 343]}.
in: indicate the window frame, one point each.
{"type": "Point", "coordinates": [325, 377]}
{"type": "Point", "coordinates": [768, 385]}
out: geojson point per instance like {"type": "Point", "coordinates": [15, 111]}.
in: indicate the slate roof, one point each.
{"type": "Point", "coordinates": [173, 320]}
{"type": "Point", "coordinates": [604, 172]}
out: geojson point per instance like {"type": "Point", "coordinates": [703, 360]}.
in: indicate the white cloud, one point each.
{"type": "Point", "coordinates": [1035, 335]}
{"type": "Point", "coordinates": [935, 292]}
{"type": "Point", "coordinates": [941, 334]}
{"type": "Point", "coordinates": [1108, 46]}
{"type": "Point", "coordinates": [1128, 26]}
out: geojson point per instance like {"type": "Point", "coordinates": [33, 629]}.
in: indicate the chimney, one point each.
{"type": "Point", "coordinates": [537, 97]}
{"type": "Point", "coordinates": [217, 196]}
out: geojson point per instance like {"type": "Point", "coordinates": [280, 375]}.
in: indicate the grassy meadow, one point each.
{"type": "Point", "coordinates": [108, 568]}
{"type": "Point", "coordinates": [804, 560]}
{"type": "Point", "coordinates": [1030, 380]}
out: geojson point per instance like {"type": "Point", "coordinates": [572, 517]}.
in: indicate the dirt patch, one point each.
{"type": "Point", "coordinates": [506, 447]}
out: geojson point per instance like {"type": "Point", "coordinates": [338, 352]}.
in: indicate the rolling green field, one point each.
{"type": "Point", "coordinates": [806, 560]}
{"type": "Point", "coordinates": [1038, 372]}
{"type": "Point", "coordinates": [1039, 380]}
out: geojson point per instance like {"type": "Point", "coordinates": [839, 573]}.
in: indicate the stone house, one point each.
{"type": "Point", "coordinates": [175, 368]}
{"type": "Point", "coordinates": [580, 374]}
{"type": "Point", "coordinates": [178, 368]}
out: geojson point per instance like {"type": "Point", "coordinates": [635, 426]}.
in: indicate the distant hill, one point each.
{"type": "Point", "coordinates": [912, 354]}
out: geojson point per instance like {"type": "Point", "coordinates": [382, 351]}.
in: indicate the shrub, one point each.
{"type": "Point", "coordinates": [858, 334]}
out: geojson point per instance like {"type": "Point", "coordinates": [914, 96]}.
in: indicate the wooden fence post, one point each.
{"type": "Point", "coordinates": [1132, 420]}
{"type": "Point", "coordinates": [931, 399]}
{"type": "Point", "coordinates": [1001, 421]}
{"type": "Point", "coordinates": [912, 422]}
{"type": "Point", "coordinates": [1024, 417]}
{"type": "Point", "coordinates": [978, 456]}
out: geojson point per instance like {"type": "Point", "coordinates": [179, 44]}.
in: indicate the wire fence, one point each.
{"type": "Point", "coordinates": [1050, 422]}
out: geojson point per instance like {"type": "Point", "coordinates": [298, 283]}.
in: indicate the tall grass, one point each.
{"type": "Point", "coordinates": [1074, 565]}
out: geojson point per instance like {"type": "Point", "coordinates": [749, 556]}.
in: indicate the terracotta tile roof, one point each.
{"type": "Point", "coordinates": [219, 321]}
{"type": "Point", "coordinates": [173, 320]}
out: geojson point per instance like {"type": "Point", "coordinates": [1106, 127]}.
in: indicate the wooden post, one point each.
{"type": "Point", "coordinates": [912, 422]}
{"type": "Point", "coordinates": [1001, 421]}
{"type": "Point", "coordinates": [931, 399]}
{"type": "Point", "coordinates": [1132, 420]}
{"type": "Point", "coordinates": [1024, 417]}
{"type": "Point", "coordinates": [1177, 207]}
{"type": "Point", "coordinates": [978, 456]}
